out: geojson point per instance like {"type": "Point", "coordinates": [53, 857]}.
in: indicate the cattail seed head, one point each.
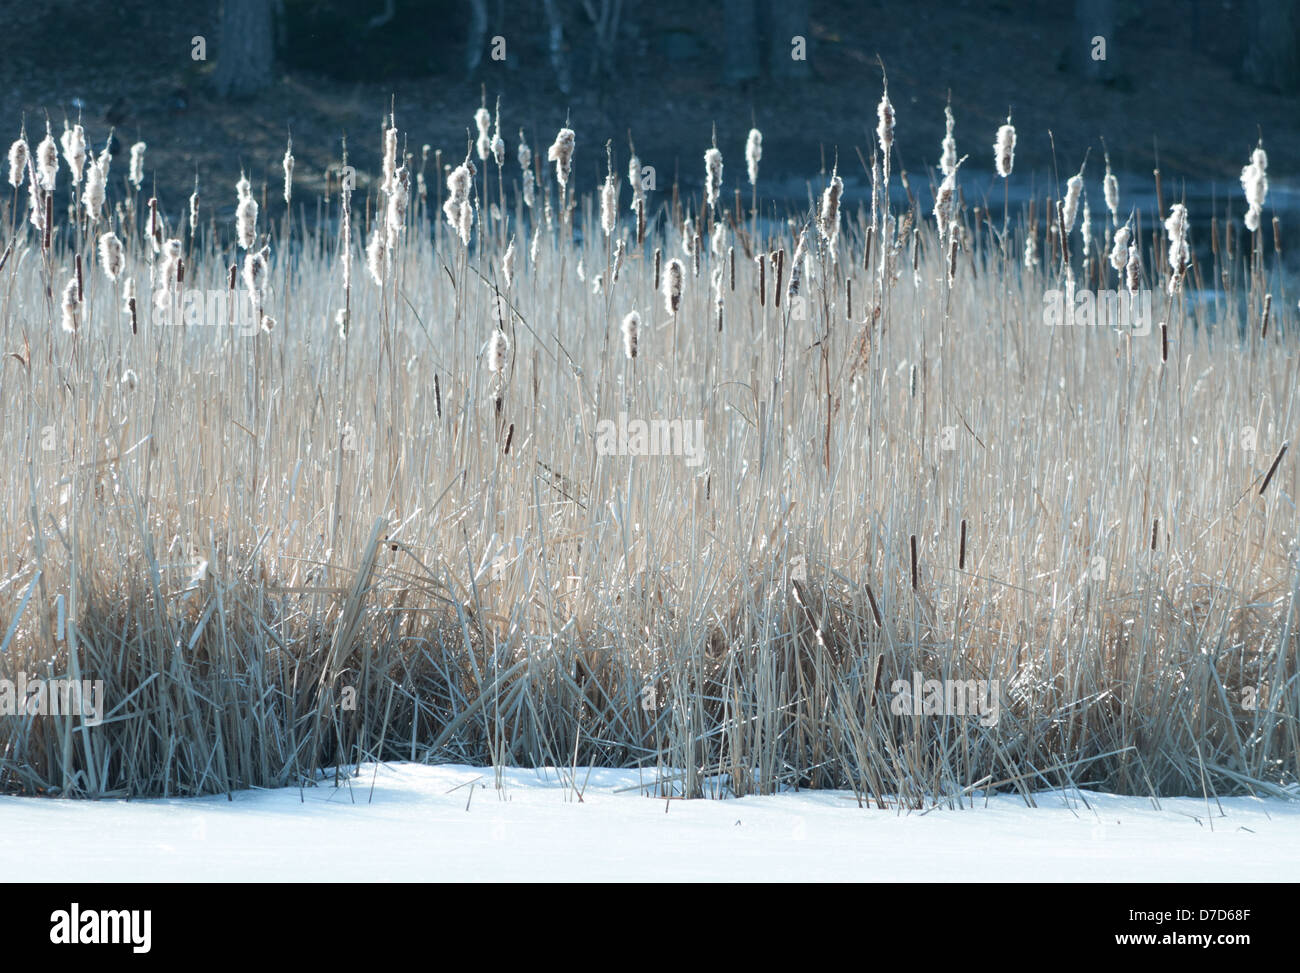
{"type": "Point", "coordinates": [561, 153]}
{"type": "Point", "coordinates": [71, 306]}
{"type": "Point", "coordinates": [398, 198]}
{"type": "Point", "coordinates": [508, 263]}
{"type": "Point", "coordinates": [1004, 149]}
{"type": "Point", "coordinates": [828, 222]}
{"type": "Point", "coordinates": [1133, 270]}
{"type": "Point", "coordinates": [47, 162]}
{"type": "Point", "coordinates": [885, 123]}
{"type": "Point", "coordinates": [609, 205]}
{"type": "Point", "coordinates": [948, 157]}
{"type": "Point", "coordinates": [498, 350]}
{"type": "Point", "coordinates": [712, 176]}
{"type": "Point", "coordinates": [674, 275]}
{"type": "Point", "coordinates": [1119, 250]}
{"type": "Point", "coordinates": [390, 158]}
{"type": "Point", "coordinates": [74, 150]}
{"type": "Point", "coordinates": [1110, 189]}
{"type": "Point", "coordinates": [753, 153]}
{"type": "Point", "coordinates": [1179, 251]}
{"type": "Point", "coordinates": [631, 329]}
{"type": "Point", "coordinates": [111, 260]}
{"type": "Point", "coordinates": [1070, 205]}
{"type": "Point", "coordinates": [483, 144]}
{"type": "Point", "coordinates": [288, 174]}
{"type": "Point", "coordinates": [92, 197]}
{"type": "Point", "coordinates": [17, 162]}
{"type": "Point", "coordinates": [1254, 181]}
{"type": "Point", "coordinates": [136, 171]}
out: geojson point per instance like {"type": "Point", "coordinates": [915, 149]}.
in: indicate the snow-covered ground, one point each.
{"type": "Point", "coordinates": [411, 822]}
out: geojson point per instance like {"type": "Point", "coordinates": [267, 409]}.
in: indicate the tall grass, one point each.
{"type": "Point", "coordinates": [376, 525]}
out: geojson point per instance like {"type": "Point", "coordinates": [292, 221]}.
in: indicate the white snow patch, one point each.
{"type": "Point", "coordinates": [409, 822]}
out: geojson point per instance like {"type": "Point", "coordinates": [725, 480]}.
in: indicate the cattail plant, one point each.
{"type": "Point", "coordinates": [47, 162]}
{"type": "Point", "coordinates": [1254, 181]}
{"type": "Point", "coordinates": [498, 351]}
{"type": "Point", "coordinates": [753, 154]}
{"type": "Point", "coordinates": [110, 255]}
{"type": "Point", "coordinates": [1070, 204]}
{"type": "Point", "coordinates": [1119, 248]}
{"type": "Point", "coordinates": [948, 154]}
{"type": "Point", "coordinates": [71, 306]}
{"type": "Point", "coordinates": [631, 328]}
{"type": "Point", "coordinates": [712, 177]}
{"type": "Point", "coordinates": [245, 213]}
{"type": "Point", "coordinates": [1110, 190]}
{"type": "Point", "coordinates": [288, 173]}
{"type": "Point", "coordinates": [74, 150]}
{"type": "Point", "coordinates": [561, 153]}
{"type": "Point", "coordinates": [136, 169]}
{"type": "Point", "coordinates": [1004, 149]}
{"type": "Point", "coordinates": [92, 197]}
{"type": "Point", "coordinates": [828, 220]}
{"type": "Point", "coordinates": [674, 274]}
{"type": "Point", "coordinates": [17, 162]}
{"type": "Point", "coordinates": [1179, 251]}
{"type": "Point", "coordinates": [398, 199]}
{"type": "Point", "coordinates": [458, 208]}
{"type": "Point", "coordinates": [609, 203]}
{"type": "Point", "coordinates": [526, 169]}
{"type": "Point", "coordinates": [483, 144]}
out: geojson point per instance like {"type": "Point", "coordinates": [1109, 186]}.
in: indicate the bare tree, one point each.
{"type": "Point", "coordinates": [245, 50]}
{"type": "Point", "coordinates": [1273, 44]}
{"type": "Point", "coordinates": [740, 59]}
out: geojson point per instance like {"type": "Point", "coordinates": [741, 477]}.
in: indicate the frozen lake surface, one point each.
{"type": "Point", "coordinates": [409, 822]}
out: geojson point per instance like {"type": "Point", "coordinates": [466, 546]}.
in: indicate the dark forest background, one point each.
{"type": "Point", "coordinates": [1190, 86]}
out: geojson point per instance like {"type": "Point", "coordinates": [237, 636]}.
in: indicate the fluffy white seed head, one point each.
{"type": "Point", "coordinates": [47, 163]}
{"type": "Point", "coordinates": [631, 331]}
{"type": "Point", "coordinates": [674, 274]}
{"type": "Point", "coordinates": [17, 162]}
{"type": "Point", "coordinates": [71, 305]}
{"type": "Point", "coordinates": [483, 144]}
{"type": "Point", "coordinates": [288, 174]}
{"type": "Point", "coordinates": [1119, 250]}
{"type": "Point", "coordinates": [753, 154]}
{"type": "Point", "coordinates": [829, 219]}
{"type": "Point", "coordinates": [390, 158]}
{"type": "Point", "coordinates": [1254, 182]}
{"type": "Point", "coordinates": [1004, 149]}
{"type": "Point", "coordinates": [74, 150]}
{"type": "Point", "coordinates": [609, 205]}
{"type": "Point", "coordinates": [885, 123]}
{"type": "Point", "coordinates": [246, 221]}
{"type": "Point", "coordinates": [1110, 189]}
{"type": "Point", "coordinates": [561, 153]}
{"type": "Point", "coordinates": [712, 176]}
{"type": "Point", "coordinates": [498, 351]}
{"type": "Point", "coordinates": [92, 197]}
{"type": "Point", "coordinates": [1070, 205]}
{"type": "Point", "coordinates": [110, 255]}
{"type": "Point", "coordinates": [948, 157]}
{"type": "Point", "coordinates": [136, 170]}
{"type": "Point", "coordinates": [1133, 270]}
{"type": "Point", "coordinates": [1179, 250]}
{"type": "Point", "coordinates": [508, 263]}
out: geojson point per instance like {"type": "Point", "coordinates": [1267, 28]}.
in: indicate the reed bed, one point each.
{"type": "Point", "coordinates": [373, 518]}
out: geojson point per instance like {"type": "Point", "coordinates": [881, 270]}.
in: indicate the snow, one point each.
{"type": "Point", "coordinates": [410, 822]}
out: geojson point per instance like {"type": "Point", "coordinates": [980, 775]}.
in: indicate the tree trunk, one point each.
{"type": "Point", "coordinates": [244, 51]}
{"type": "Point", "coordinates": [740, 44]}
{"type": "Point", "coordinates": [1273, 44]}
